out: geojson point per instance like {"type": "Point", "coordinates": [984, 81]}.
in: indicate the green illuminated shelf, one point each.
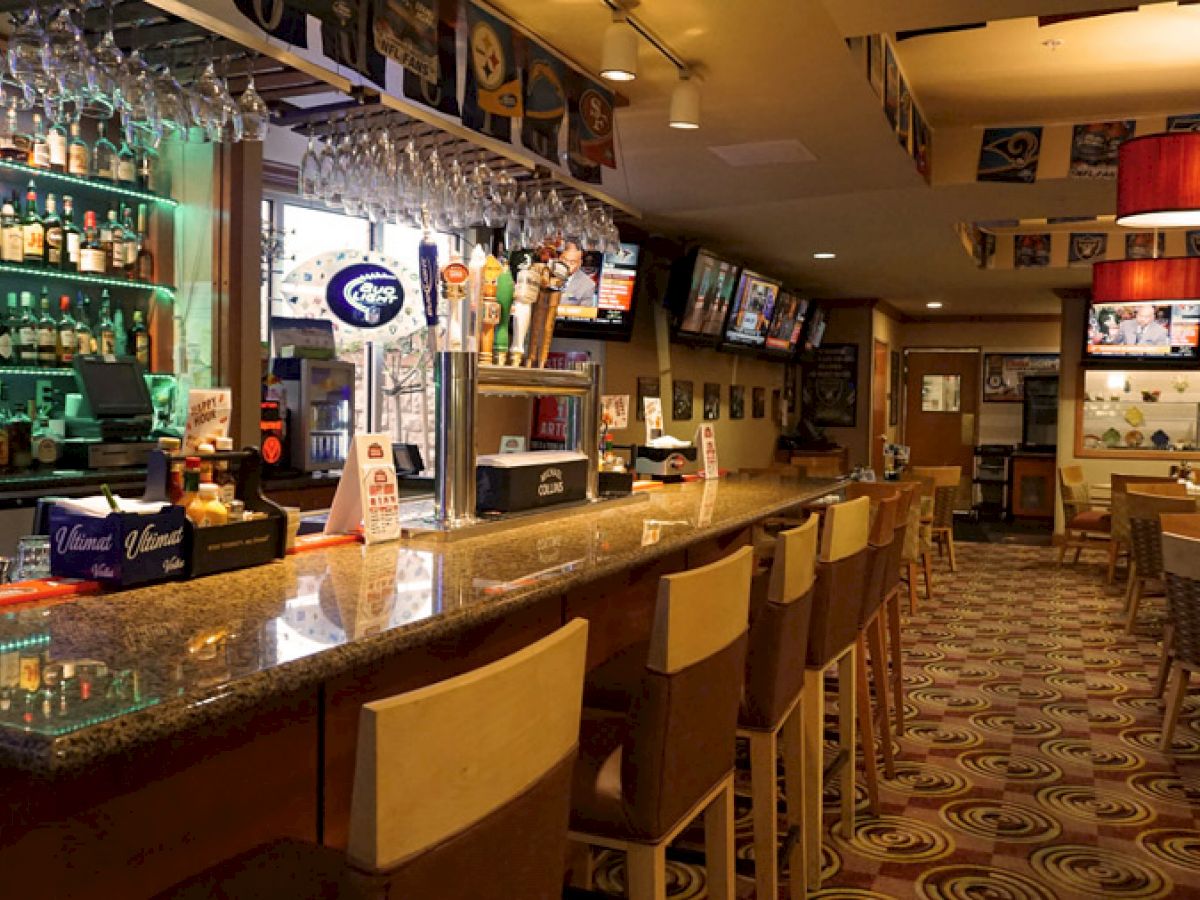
{"type": "Point", "coordinates": [36, 370]}
{"type": "Point", "coordinates": [73, 724]}
{"type": "Point", "coordinates": [25, 643]}
{"type": "Point", "coordinates": [86, 278]}
{"type": "Point", "coordinates": [88, 183]}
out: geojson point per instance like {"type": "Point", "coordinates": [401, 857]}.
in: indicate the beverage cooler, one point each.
{"type": "Point", "coordinates": [319, 396]}
{"type": "Point", "coordinates": [1039, 413]}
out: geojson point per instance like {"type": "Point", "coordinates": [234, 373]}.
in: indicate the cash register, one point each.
{"type": "Point", "coordinates": [112, 424]}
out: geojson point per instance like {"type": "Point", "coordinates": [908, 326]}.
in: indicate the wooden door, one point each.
{"type": "Point", "coordinates": [879, 387]}
{"type": "Point", "coordinates": [941, 410]}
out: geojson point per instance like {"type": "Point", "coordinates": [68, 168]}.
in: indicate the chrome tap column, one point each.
{"type": "Point", "coordinates": [455, 377]}
{"type": "Point", "coordinates": [583, 427]}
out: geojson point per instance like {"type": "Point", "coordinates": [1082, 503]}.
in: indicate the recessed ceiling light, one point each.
{"type": "Point", "coordinates": [934, 304]}
{"type": "Point", "coordinates": [824, 254]}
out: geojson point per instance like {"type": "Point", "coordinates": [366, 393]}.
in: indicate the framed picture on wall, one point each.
{"type": "Point", "coordinates": [712, 401]}
{"type": "Point", "coordinates": [894, 383]}
{"type": "Point", "coordinates": [758, 402]}
{"type": "Point", "coordinates": [1004, 374]}
{"type": "Point", "coordinates": [647, 386]}
{"type": "Point", "coordinates": [830, 386]}
{"type": "Point", "coordinates": [737, 401]}
{"type": "Point", "coordinates": [681, 400]}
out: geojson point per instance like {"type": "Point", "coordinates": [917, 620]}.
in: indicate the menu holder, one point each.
{"type": "Point", "coordinates": [237, 545]}
{"type": "Point", "coordinates": [368, 493]}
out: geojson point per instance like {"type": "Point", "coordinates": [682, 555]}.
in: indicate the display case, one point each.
{"type": "Point", "coordinates": [1138, 413]}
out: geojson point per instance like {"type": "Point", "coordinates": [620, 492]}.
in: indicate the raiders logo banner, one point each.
{"type": "Point", "coordinates": [440, 90]}
{"type": "Point", "coordinates": [1087, 247]}
{"type": "Point", "coordinates": [493, 85]}
{"type": "Point", "coordinates": [545, 102]}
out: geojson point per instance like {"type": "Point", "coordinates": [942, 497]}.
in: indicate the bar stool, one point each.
{"type": "Point", "coordinates": [1145, 531]}
{"type": "Point", "coordinates": [1119, 510]}
{"type": "Point", "coordinates": [945, 493]}
{"type": "Point", "coordinates": [1185, 525]}
{"type": "Point", "coordinates": [838, 596]}
{"type": "Point", "coordinates": [646, 773]}
{"type": "Point", "coordinates": [918, 547]}
{"type": "Point", "coordinates": [461, 792]}
{"type": "Point", "coordinates": [1086, 526]}
{"type": "Point", "coordinates": [1181, 568]}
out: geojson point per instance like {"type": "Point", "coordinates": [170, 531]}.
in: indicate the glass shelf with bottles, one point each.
{"type": "Point", "coordinates": [1142, 410]}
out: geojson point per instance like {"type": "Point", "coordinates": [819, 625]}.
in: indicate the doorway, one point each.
{"type": "Point", "coordinates": [879, 404]}
{"type": "Point", "coordinates": [942, 411]}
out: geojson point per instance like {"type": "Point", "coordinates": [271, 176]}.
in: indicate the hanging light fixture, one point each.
{"type": "Point", "coordinates": [619, 58]}
{"type": "Point", "coordinates": [1146, 280]}
{"type": "Point", "coordinates": [685, 102]}
{"type": "Point", "coordinates": [1158, 181]}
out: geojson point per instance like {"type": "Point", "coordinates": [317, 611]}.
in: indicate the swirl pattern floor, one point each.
{"type": "Point", "coordinates": [1030, 768]}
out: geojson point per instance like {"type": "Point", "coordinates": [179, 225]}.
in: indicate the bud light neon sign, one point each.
{"type": "Point", "coordinates": [365, 295]}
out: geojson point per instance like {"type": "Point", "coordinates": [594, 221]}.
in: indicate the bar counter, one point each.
{"type": "Point", "coordinates": [241, 702]}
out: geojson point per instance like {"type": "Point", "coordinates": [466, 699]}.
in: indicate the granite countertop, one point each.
{"type": "Point", "coordinates": [177, 655]}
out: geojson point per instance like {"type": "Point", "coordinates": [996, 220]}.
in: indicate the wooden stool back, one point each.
{"type": "Point", "coordinates": [847, 527]}
{"type": "Point", "coordinates": [795, 565]}
{"type": "Point", "coordinates": [1145, 527]}
{"type": "Point", "coordinates": [700, 611]}
{"type": "Point", "coordinates": [1119, 500]}
{"type": "Point", "coordinates": [434, 761]}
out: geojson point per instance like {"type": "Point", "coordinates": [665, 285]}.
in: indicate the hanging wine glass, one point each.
{"type": "Point", "coordinates": [26, 60]}
{"type": "Point", "coordinates": [310, 170]}
{"type": "Point", "coordinates": [173, 112]}
{"type": "Point", "coordinates": [140, 105]}
{"type": "Point", "coordinates": [65, 56]}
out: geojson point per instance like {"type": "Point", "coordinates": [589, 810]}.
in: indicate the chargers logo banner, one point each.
{"type": "Point", "coordinates": [545, 103]}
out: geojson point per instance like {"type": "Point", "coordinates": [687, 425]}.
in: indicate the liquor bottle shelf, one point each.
{"type": "Point", "coordinates": [92, 184]}
{"type": "Point", "coordinates": [85, 278]}
{"type": "Point", "coordinates": [52, 371]}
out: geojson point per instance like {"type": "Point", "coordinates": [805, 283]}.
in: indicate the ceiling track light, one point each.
{"type": "Point", "coordinates": [618, 61]}
{"type": "Point", "coordinates": [685, 102]}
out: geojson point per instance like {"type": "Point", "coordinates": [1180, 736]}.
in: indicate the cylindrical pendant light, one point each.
{"type": "Point", "coordinates": [1146, 280]}
{"type": "Point", "coordinates": [685, 102]}
{"type": "Point", "coordinates": [618, 61]}
{"type": "Point", "coordinates": [1158, 181]}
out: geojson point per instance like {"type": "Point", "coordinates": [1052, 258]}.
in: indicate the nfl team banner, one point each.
{"type": "Point", "coordinates": [492, 96]}
{"type": "Point", "coordinates": [406, 32]}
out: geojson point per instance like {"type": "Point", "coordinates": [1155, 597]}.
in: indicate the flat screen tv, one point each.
{"type": "Point", "coordinates": [752, 311]}
{"type": "Point", "coordinates": [787, 324]}
{"type": "Point", "coordinates": [1167, 331]}
{"type": "Point", "coordinates": [816, 327]}
{"type": "Point", "coordinates": [700, 293]}
{"type": "Point", "coordinates": [597, 301]}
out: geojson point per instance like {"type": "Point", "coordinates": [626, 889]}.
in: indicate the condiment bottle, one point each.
{"type": "Point", "coordinates": [191, 481]}
{"type": "Point", "coordinates": [206, 450]}
{"type": "Point", "coordinates": [170, 446]}
{"type": "Point", "coordinates": [222, 476]}
{"type": "Point", "coordinates": [206, 507]}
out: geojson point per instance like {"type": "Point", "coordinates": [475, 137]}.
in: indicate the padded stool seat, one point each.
{"type": "Point", "coordinates": [1092, 520]}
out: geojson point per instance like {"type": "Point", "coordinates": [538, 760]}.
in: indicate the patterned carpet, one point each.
{"type": "Point", "coordinates": [1030, 767]}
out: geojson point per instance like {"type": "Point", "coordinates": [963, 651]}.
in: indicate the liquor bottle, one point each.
{"type": "Point", "coordinates": [5, 463]}
{"type": "Point", "coordinates": [20, 441]}
{"type": "Point", "coordinates": [91, 254]}
{"type": "Point", "coordinates": [39, 147]}
{"type": "Point", "coordinates": [85, 341]}
{"type": "Point", "coordinates": [68, 332]}
{"type": "Point", "coordinates": [12, 245]}
{"type": "Point", "coordinates": [27, 348]}
{"type": "Point", "coordinates": [33, 232]}
{"type": "Point", "coordinates": [144, 264]}
{"type": "Point", "coordinates": [104, 157]}
{"type": "Point", "coordinates": [72, 236]}
{"type": "Point", "coordinates": [55, 236]}
{"type": "Point", "coordinates": [131, 244]}
{"type": "Point", "coordinates": [112, 238]}
{"type": "Point", "coordinates": [120, 333]}
{"type": "Point", "coordinates": [8, 135]}
{"type": "Point", "coordinates": [47, 335]}
{"type": "Point", "coordinates": [106, 334]}
{"type": "Point", "coordinates": [141, 340]}
{"type": "Point", "coordinates": [78, 154]}
{"type": "Point", "coordinates": [126, 166]}
{"type": "Point", "coordinates": [8, 336]}
{"type": "Point", "coordinates": [56, 142]}
{"type": "Point", "coordinates": [147, 175]}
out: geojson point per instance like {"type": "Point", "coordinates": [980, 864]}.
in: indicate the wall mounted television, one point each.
{"type": "Point", "coordinates": [597, 301]}
{"type": "Point", "coordinates": [1146, 333]}
{"type": "Point", "coordinates": [751, 313]}
{"type": "Point", "coordinates": [699, 295]}
{"type": "Point", "coordinates": [787, 324]}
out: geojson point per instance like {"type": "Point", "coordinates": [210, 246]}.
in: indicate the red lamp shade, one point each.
{"type": "Point", "coordinates": [1142, 280]}
{"type": "Point", "coordinates": [1158, 181]}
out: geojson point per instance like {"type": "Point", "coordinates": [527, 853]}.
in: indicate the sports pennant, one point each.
{"type": "Point", "coordinates": [347, 34]}
{"type": "Point", "coordinates": [406, 32]}
{"type": "Point", "coordinates": [282, 21]}
{"type": "Point", "coordinates": [440, 90]}
{"type": "Point", "coordinates": [545, 102]}
{"type": "Point", "coordinates": [493, 85]}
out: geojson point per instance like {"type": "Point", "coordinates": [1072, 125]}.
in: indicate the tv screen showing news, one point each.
{"type": "Point", "coordinates": [787, 324]}
{"type": "Point", "coordinates": [753, 306]}
{"type": "Point", "coordinates": [709, 293]}
{"type": "Point", "coordinates": [1132, 331]}
{"type": "Point", "coordinates": [597, 300]}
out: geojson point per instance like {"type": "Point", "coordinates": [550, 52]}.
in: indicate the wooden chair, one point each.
{"type": "Point", "coordinates": [1119, 517]}
{"type": "Point", "coordinates": [918, 546]}
{"type": "Point", "coordinates": [1181, 568]}
{"type": "Point", "coordinates": [832, 637]}
{"type": "Point", "coordinates": [1086, 526]}
{"type": "Point", "coordinates": [461, 792]}
{"type": "Point", "coordinates": [1186, 525]}
{"type": "Point", "coordinates": [644, 774]}
{"type": "Point", "coordinates": [1145, 531]}
{"type": "Point", "coordinates": [945, 493]}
